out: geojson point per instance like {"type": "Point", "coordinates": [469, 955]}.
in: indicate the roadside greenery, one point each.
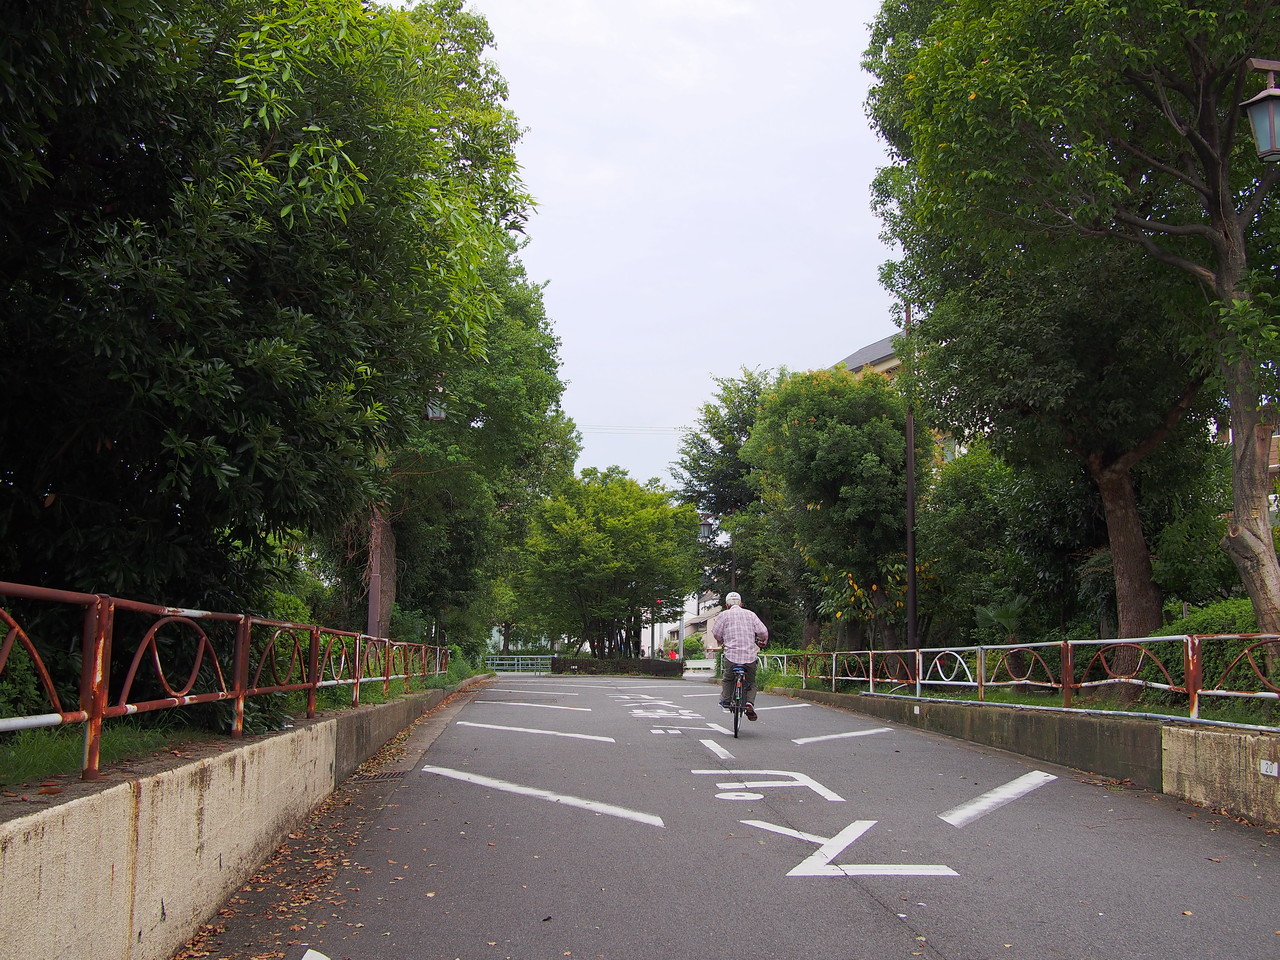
{"type": "Point", "coordinates": [30, 756]}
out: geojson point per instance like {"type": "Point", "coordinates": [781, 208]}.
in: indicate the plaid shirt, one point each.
{"type": "Point", "coordinates": [737, 629]}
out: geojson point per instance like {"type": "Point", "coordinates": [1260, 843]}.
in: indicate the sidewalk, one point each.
{"type": "Point", "coordinates": [268, 918]}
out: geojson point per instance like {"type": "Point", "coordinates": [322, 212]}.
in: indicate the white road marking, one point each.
{"type": "Point", "coordinates": [689, 695]}
{"type": "Point", "coordinates": [725, 730]}
{"type": "Point", "coordinates": [785, 706]}
{"type": "Point", "coordinates": [819, 864]}
{"type": "Point", "coordinates": [536, 693]}
{"type": "Point", "coordinates": [841, 736]}
{"type": "Point", "coordinates": [968, 812]}
{"type": "Point", "coordinates": [594, 806]}
{"type": "Point", "coordinates": [718, 750]}
{"type": "Point", "coordinates": [795, 780]}
{"type": "Point", "coordinates": [541, 706]}
{"type": "Point", "coordinates": [549, 733]}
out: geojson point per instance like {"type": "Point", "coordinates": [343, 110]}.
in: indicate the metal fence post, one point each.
{"type": "Point", "coordinates": [95, 679]}
{"type": "Point", "coordinates": [1193, 675]}
{"type": "Point", "coordinates": [359, 672]}
{"type": "Point", "coordinates": [313, 672]}
{"type": "Point", "coordinates": [982, 674]}
{"type": "Point", "coordinates": [1068, 673]}
{"type": "Point", "coordinates": [240, 672]}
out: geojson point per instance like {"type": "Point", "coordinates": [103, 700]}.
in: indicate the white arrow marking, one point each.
{"type": "Point", "coordinates": [820, 865]}
{"type": "Point", "coordinates": [796, 780]}
{"type": "Point", "coordinates": [968, 812]}
{"type": "Point", "coordinates": [593, 805]}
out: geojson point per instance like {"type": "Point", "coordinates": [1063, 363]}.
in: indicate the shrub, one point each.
{"type": "Point", "coordinates": [1225, 617]}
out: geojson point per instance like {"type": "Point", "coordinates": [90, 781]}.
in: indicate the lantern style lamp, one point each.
{"type": "Point", "coordinates": [1264, 112]}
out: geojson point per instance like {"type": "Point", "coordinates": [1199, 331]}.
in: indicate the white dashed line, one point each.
{"type": "Point", "coordinates": [718, 750]}
{"type": "Point", "coordinates": [541, 706]}
{"type": "Point", "coordinates": [549, 733]}
{"type": "Point", "coordinates": [594, 806]}
{"type": "Point", "coordinates": [841, 736]}
{"type": "Point", "coordinates": [536, 693]}
{"type": "Point", "coordinates": [785, 706]}
{"type": "Point", "coordinates": [968, 812]}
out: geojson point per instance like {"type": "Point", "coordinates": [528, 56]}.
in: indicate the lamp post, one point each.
{"type": "Point", "coordinates": [1264, 112]}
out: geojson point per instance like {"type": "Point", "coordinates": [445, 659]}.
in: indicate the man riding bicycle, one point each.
{"type": "Point", "coordinates": [742, 635]}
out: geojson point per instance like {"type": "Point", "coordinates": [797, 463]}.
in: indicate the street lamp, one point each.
{"type": "Point", "coordinates": [1264, 112]}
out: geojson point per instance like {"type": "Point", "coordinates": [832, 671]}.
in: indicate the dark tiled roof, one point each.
{"type": "Point", "coordinates": [872, 353]}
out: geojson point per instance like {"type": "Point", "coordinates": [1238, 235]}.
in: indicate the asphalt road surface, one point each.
{"type": "Point", "coordinates": [618, 819]}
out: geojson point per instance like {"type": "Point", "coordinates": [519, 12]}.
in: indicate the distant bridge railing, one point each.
{"type": "Point", "coordinates": [518, 664]}
{"type": "Point", "coordinates": [219, 657]}
{"type": "Point", "coordinates": [1243, 666]}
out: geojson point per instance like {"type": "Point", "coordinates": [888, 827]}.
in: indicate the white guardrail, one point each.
{"type": "Point", "coordinates": [1190, 669]}
{"type": "Point", "coordinates": [523, 664]}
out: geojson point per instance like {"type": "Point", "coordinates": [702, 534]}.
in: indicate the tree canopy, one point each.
{"type": "Point", "coordinates": [605, 552]}
{"type": "Point", "coordinates": [238, 239]}
{"type": "Point", "coordinates": [1014, 120]}
{"type": "Point", "coordinates": [836, 443]}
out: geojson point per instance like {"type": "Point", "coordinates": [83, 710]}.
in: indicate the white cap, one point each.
{"type": "Point", "coordinates": [733, 599]}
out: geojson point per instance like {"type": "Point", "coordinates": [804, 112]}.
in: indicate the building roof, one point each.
{"type": "Point", "coordinates": [873, 354]}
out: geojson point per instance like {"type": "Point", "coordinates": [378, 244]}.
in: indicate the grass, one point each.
{"type": "Point", "coordinates": [31, 755]}
{"type": "Point", "coordinates": [27, 756]}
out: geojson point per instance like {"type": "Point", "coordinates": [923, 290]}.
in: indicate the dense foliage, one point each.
{"type": "Point", "coordinates": [1014, 123]}
{"type": "Point", "coordinates": [603, 555]}
{"type": "Point", "coordinates": [238, 242]}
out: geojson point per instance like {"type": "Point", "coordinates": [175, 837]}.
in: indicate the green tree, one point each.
{"type": "Point", "coordinates": [1013, 119]}
{"type": "Point", "coordinates": [464, 490]}
{"type": "Point", "coordinates": [602, 552]}
{"type": "Point", "coordinates": [745, 555]}
{"type": "Point", "coordinates": [964, 544]}
{"type": "Point", "coordinates": [234, 254]}
{"type": "Point", "coordinates": [836, 442]}
{"type": "Point", "coordinates": [1061, 353]}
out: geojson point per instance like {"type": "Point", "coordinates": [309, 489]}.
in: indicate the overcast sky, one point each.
{"type": "Point", "coordinates": [702, 171]}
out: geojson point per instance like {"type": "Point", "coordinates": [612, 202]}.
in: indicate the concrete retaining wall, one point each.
{"type": "Point", "coordinates": [1217, 767]}
{"type": "Point", "coordinates": [132, 870]}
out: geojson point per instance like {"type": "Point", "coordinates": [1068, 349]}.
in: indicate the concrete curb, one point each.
{"type": "Point", "coordinates": [131, 869]}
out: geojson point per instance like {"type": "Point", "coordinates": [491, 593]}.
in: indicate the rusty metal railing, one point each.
{"type": "Point", "coordinates": [1176, 665]}
{"type": "Point", "coordinates": [221, 656]}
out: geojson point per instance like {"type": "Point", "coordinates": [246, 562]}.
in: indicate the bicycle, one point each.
{"type": "Point", "coordinates": [738, 700]}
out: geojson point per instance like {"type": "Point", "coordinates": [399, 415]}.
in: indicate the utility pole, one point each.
{"type": "Point", "coordinates": [913, 640]}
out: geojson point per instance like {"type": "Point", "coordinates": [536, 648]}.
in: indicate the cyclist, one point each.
{"type": "Point", "coordinates": [742, 635]}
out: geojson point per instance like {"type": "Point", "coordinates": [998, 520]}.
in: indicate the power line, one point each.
{"type": "Point", "coordinates": [629, 430]}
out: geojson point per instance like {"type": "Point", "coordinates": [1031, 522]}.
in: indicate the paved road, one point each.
{"type": "Point", "coordinates": [618, 819]}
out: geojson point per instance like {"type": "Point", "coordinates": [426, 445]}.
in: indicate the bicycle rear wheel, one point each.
{"type": "Point", "coordinates": [736, 706]}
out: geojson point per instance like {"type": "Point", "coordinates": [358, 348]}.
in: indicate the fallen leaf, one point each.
{"type": "Point", "coordinates": [1187, 913]}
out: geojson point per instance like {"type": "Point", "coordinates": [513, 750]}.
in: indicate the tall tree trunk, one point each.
{"type": "Point", "coordinates": [1249, 540]}
{"type": "Point", "coordinates": [1138, 601]}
